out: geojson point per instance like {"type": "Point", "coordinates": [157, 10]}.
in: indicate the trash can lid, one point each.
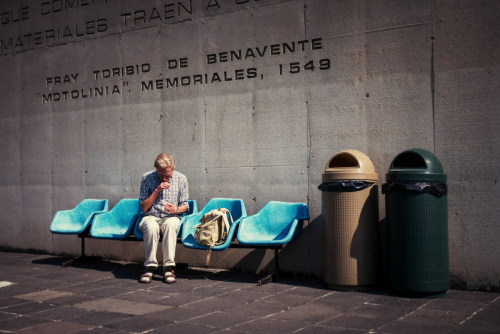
{"type": "Point", "coordinates": [416, 165]}
{"type": "Point", "coordinates": [350, 165]}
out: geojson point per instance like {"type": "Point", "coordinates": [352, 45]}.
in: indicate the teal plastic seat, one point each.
{"type": "Point", "coordinates": [276, 224]}
{"type": "Point", "coordinates": [235, 206]}
{"type": "Point", "coordinates": [118, 222]}
{"type": "Point", "coordinates": [193, 208]}
{"type": "Point", "coordinates": [78, 219]}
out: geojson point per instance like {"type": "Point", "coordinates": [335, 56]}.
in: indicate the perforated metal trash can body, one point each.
{"type": "Point", "coordinates": [350, 230]}
{"type": "Point", "coordinates": [417, 224]}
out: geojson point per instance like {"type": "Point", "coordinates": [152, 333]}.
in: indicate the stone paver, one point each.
{"type": "Point", "coordinates": [38, 295]}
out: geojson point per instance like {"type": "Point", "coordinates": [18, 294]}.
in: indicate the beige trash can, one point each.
{"type": "Point", "coordinates": [350, 229]}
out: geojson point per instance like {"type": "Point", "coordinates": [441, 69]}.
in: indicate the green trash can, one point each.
{"type": "Point", "coordinates": [417, 224]}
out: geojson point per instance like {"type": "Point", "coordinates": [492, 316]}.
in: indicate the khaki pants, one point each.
{"type": "Point", "coordinates": [151, 228]}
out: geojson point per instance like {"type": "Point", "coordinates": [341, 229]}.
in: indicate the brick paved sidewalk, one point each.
{"type": "Point", "coordinates": [38, 295]}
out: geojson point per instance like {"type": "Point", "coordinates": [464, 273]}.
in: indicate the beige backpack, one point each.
{"type": "Point", "coordinates": [213, 229]}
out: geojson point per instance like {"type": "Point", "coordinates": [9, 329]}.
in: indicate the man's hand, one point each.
{"type": "Point", "coordinates": [170, 208]}
{"type": "Point", "coordinates": [163, 186]}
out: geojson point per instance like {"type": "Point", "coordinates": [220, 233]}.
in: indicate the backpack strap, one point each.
{"type": "Point", "coordinates": [209, 252]}
{"type": "Point", "coordinates": [225, 212]}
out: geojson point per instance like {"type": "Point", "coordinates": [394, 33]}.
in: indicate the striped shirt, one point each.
{"type": "Point", "coordinates": [177, 194]}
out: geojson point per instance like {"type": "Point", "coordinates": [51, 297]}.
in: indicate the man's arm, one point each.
{"type": "Point", "coordinates": [147, 203]}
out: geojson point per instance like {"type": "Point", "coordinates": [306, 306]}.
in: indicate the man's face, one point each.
{"type": "Point", "coordinates": [164, 174]}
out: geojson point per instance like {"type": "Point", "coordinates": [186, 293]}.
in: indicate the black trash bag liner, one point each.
{"type": "Point", "coordinates": [434, 188]}
{"type": "Point", "coordinates": [344, 186]}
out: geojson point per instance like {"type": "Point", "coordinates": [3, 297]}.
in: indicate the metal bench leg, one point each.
{"type": "Point", "coordinates": [83, 248]}
{"type": "Point", "coordinates": [69, 263]}
{"type": "Point", "coordinates": [275, 275]}
{"type": "Point", "coordinates": [82, 257]}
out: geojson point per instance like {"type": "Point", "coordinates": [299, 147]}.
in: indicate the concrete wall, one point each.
{"type": "Point", "coordinates": [93, 90]}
